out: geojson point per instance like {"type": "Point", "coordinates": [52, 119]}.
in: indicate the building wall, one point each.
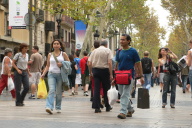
{"type": "Point", "coordinates": [2, 29]}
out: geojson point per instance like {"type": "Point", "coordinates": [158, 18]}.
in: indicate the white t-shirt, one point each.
{"type": "Point", "coordinates": [10, 64]}
{"type": "Point", "coordinates": [53, 64]}
{"type": "Point", "coordinates": [21, 61]}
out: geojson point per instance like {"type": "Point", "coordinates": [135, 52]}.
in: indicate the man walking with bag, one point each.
{"type": "Point", "coordinates": [127, 59]}
{"type": "Point", "coordinates": [100, 62]}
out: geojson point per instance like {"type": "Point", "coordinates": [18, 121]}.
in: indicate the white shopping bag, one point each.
{"type": "Point", "coordinates": [10, 84]}
{"type": "Point", "coordinates": [112, 94]}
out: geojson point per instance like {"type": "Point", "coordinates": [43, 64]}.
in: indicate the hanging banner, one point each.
{"type": "Point", "coordinates": [80, 30]}
{"type": "Point", "coordinates": [17, 11]}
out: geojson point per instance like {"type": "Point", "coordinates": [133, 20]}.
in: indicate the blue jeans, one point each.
{"type": "Point", "coordinates": [147, 78]}
{"type": "Point", "coordinates": [20, 79]}
{"type": "Point", "coordinates": [184, 81]}
{"type": "Point", "coordinates": [168, 80]}
{"type": "Point", "coordinates": [190, 78]}
{"type": "Point", "coordinates": [55, 85]}
{"type": "Point", "coordinates": [125, 92]}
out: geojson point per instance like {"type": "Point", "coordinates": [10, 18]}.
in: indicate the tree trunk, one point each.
{"type": "Point", "coordinates": [103, 19]}
{"type": "Point", "coordinates": [88, 36]}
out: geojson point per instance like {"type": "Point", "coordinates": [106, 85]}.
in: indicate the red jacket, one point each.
{"type": "Point", "coordinates": [83, 62]}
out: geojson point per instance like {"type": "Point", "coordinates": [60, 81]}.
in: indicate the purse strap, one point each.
{"type": "Point", "coordinates": [55, 57]}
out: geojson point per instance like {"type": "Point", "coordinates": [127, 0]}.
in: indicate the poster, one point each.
{"type": "Point", "coordinates": [80, 30]}
{"type": "Point", "coordinates": [17, 11]}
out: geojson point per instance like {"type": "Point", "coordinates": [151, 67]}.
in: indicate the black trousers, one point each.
{"type": "Point", "coordinates": [20, 79]}
{"type": "Point", "coordinates": [101, 76]}
{"type": "Point", "coordinates": [72, 80]}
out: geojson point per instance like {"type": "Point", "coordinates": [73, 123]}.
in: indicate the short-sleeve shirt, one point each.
{"type": "Point", "coordinates": [127, 58]}
{"type": "Point", "coordinates": [37, 62]}
{"type": "Point", "coordinates": [77, 61]}
{"type": "Point", "coordinates": [21, 62]}
{"type": "Point", "coordinates": [100, 57]}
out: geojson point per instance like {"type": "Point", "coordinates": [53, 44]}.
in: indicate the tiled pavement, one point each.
{"type": "Point", "coordinates": [77, 113]}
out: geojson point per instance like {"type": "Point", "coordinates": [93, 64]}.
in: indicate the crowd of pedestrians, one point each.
{"type": "Point", "coordinates": [95, 70]}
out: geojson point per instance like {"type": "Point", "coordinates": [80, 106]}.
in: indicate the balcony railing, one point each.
{"type": "Point", "coordinates": [4, 2]}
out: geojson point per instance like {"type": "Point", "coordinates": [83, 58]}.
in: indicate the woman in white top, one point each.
{"type": "Point", "coordinates": [189, 63]}
{"type": "Point", "coordinates": [6, 70]}
{"type": "Point", "coordinates": [54, 76]}
{"type": "Point", "coordinates": [165, 54]}
{"type": "Point", "coordinates": [21, 73]}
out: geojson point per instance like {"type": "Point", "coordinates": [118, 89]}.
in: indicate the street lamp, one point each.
{"type": "Point", "coordinates": [96, 34]}
{"type": "Point", "coordinates": [58, 20]}
{"type": "Point", "coordinates": [116, 33]}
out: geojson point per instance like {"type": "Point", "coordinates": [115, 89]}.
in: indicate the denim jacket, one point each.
{"type": "Point", "coordinates": [65, 71]}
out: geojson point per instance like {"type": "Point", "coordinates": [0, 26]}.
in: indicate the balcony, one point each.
{"type": "Point", "coordinates": [67, 21]}
{"type": "Point", "coordinates": [49, 26]}
{"type": "Point", "coordinates": [40, 15]}
{"type": "Point", "coordinates": [5, 3]}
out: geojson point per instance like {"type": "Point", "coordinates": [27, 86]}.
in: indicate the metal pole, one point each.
{"type": "Point", "coordinates": [30, 27]}
{"type": "Point", "coordinates": [58, 27]}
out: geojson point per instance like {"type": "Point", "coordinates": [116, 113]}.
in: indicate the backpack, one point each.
{"type": "Point", "coordinates": [86, 68]}
{"type": "Point", "coordinates": [146, 65]}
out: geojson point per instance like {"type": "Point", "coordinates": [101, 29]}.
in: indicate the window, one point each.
{"type": "Point", "coordinates": [66, 40]}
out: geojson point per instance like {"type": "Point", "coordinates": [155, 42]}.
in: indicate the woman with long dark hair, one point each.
{"type": "Point", "coordinates": [54, 76]}
{"type": "Point", "coordinates": [165, 55]}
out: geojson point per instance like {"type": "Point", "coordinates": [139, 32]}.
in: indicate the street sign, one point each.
{"type": "Point", "coordinates": [26, 19]}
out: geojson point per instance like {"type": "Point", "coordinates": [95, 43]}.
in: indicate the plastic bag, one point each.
{"type": "Point", "coordinates": [42, 90]}
{"type": "Point", "coordinates": [112, 94]}
{"type": "Point", "coordinates": [10, 84]}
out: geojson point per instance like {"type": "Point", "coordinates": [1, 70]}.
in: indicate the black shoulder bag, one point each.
{"type": "Point", "coordinates": [173, 67]}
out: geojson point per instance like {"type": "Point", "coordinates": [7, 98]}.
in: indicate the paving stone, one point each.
{"type": "Point", "coordinates": [77, 113]}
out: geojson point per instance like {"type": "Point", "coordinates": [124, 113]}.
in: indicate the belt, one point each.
{"type": "Point", "coordinates": [23, 70]}
{"type": "Point", "coordinates": [167, 71]}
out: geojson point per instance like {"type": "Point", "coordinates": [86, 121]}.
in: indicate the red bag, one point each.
{"type": "Point", "coordinates": [123, 77]}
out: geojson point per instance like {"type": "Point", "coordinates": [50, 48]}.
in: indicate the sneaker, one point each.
{"type": "Point", "coordinates": [32, 97]}
{"type": "Point", "coordinates": [121, 116]}
{"type": "Point", "coordinates": [129, 114]}
{"type": "Point", "coordinates": [72, 94]}
{"type": "Point", "coordinates": [58, 111]}
{"type": "Point", "coordinates": [183, 91]}
{"type": "Point", "coordinates": [86, 93]}
{"type": "Point", "coordinates": [48, 110]}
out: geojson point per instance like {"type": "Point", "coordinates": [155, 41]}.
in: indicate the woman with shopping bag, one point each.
{"type": "Point", "coordinates": [6, 72]}
{"type": "Point", "coordinates": [53, 67]}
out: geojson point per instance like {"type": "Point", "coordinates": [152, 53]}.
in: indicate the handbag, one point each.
{"type": "Point", "coordinates": [42, 90]}
{"type": "Point", "coordinates": [10, 84]}
{"type": "Point", "coordinates": [173, 67]}
{"type": "Point", "coordinates": [123, 77]}
{"type": "Point", "coordinates": [112, 94]}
